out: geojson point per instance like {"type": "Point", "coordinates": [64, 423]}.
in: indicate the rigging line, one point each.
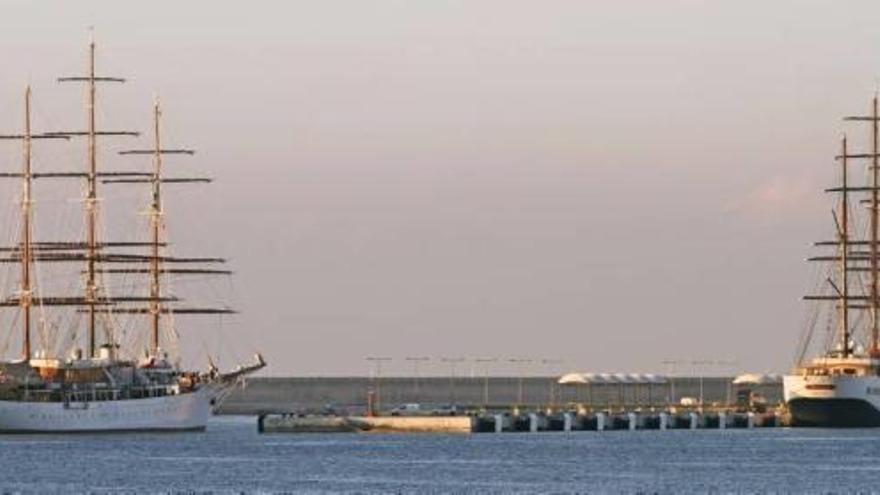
{"type": "Point", "coordinates": [830, 332]}
{"type": "Point", "coordinates": [7, 286]}
{"type": "Point", "coordinates": [815, 309]}
{"type": "Point", "coordinates": [810, 318]}
{"type": "Point", "coordinates": [7, 340]}
{"type": "Point", "coordinates": [37, 288]}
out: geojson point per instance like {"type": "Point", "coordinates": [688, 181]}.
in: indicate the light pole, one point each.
{"type": "Point", "coordinates": [377, 362]}
{"type": "Point", "coordinates": [729, 367]}
{"type": "Point", "coordinates": [452, 363]}
{"type": "Point", "coordinates": [551, 365]}
{"type": "Point", "coordinates": [415, 361]}
{"type": "Point", "coordinates": [486, 362]}
{"type": "Point", "coordinates": [695, 363]}
{"type": "Point", "coordinates": [671, 363]}
{"type": "Point", "coordinates": [519, 362]}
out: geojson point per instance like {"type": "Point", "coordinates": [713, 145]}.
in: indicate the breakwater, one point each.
{"type": "Point", "coordinates": [350, 395]}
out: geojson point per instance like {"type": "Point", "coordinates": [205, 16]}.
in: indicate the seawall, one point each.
{"type": "Point", "coordinates": [349, 394]}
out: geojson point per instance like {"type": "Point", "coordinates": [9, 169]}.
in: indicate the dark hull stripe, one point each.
{"type": "Point", "coordinates": [833, 413]}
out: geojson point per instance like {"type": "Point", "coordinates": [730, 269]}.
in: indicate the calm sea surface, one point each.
{"type": "Point", "coordinates": [232, 458]}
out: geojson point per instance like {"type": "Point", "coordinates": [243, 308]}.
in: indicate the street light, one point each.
{"type": "Point", "coordinates": [377, 362]}
{"type": "Point", "coordinates": [729, 366]}
{"type": "Point", "coordinates": [486, 378]}
{"type": "Point", "coordinates": [553, 370]}
{"type": "Point", "coordinates": [700, 362]}
{"type": "Point", "coordinates": [519, 362]}
{"type": "Point", "coordinates": [671, 364]}
{"type": "Point", "coordinates": [415, 361]}
{"type": "Point", "coordinates": [452, 363]}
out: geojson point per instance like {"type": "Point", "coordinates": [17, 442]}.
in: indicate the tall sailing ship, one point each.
{"type": "Point", "coordinates": [102, 365]}
{"type": "Point", "coordinates": [840, 386]}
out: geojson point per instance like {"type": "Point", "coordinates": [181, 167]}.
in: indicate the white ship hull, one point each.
{"type": "Point", "coordinates": [182, 412]}
{"type": "Point", "coordinates": [833, 400]}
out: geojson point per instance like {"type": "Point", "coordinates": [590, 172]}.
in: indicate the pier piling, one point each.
{"type": "Point", "coordinates": [499, 423]}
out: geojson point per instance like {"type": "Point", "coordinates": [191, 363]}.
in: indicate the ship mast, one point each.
{"type": "Point", "coordinates": [91, 205]}
{"type": "Point", "coordinates": [92, 289]}
{"type": "Point", "coordinates": [843, 240]}
{"type": "Point", "coordinates": [156, 211]}
{"type": "Point", "coordinates": [873, 257]}
{"type": "Point", "coordinates": [156, 225]}
{"type": "Point", "coordinates": [25, 248]}
{"type": "Point", "coordinates": [872, 349]}
{"type": "Point", "coordinates": [25, 292]}
{"type": "Point", "coordinates": [91, 250]}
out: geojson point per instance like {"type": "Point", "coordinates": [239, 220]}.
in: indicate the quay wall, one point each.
{"type": "Point", "coordinates": [349, 394]}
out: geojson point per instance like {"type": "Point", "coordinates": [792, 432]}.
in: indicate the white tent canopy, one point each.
{"type": "Point", "coordinates": [757, 379]}
{"type": "Point", "coordinates": [605, 378]}
{"type": "Point", "coordinates": [573, 379]}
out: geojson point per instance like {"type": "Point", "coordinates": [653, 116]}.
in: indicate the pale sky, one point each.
{"type": "Point", "coordinates": [609, 183]}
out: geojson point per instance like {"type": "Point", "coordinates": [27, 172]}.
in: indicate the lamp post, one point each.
{"type": "Point", "coordinates": [671, 364]}
{"type": "Point", "coordinates": [486, 362]}
{"type": "Point", "coordinates": [377, 362]}
{"type": "Point", "coordinates": [415, 361]}
{"type": "Point", "coordinates": [729, 367]}
{"type": "Point", "coordinates": [551, 365]}
{"type": "Point", "coordinates": [519, 362]}
{"type": "Point", "coordinates": [700, 362]}
{"type": "Point", "coordinates": [452, 364]}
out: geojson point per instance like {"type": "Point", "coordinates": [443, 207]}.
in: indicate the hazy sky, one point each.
{"type": "Point", "coordinates": [610, 183]}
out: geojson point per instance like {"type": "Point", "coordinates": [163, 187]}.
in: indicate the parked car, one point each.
{"type": "Point", "coordinates": [406, 409]}
{"type": "Point", "coordinates": [445, 410]}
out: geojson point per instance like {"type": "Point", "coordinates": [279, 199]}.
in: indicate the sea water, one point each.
{"type": "Point", "coordinates": [231, 457]}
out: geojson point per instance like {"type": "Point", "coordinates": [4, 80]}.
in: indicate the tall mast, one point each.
{"type": "Point", "coordinates": [875, 324]}
{"type": "Point", "coordinates": [91, 290]}
{"type": "Point", "coordinates": [91, 205]}
{"type": "Point", "coordinates": [155, 309]}
{"type": "Point", "coordinates": [25, 247]}
{"type": "Point", "coordinates": [843, 242]}
{"type": "Point", "coordinates": [25, 296]}
{"type": "Point", "coordinates": [156, 225]}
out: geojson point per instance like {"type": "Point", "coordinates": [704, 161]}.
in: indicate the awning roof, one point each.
{"type": "Point", "coordinates": [605, 378]}
{"type": "Point", "coordinates": [757, 379]}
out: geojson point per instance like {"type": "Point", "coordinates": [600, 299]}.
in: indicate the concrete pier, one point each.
{"type": "Point", "coordinates": [525, 422]}
{"type": "Point", "coordinates": [384, 424]}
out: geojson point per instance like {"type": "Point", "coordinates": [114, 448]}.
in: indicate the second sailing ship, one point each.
{"type": "Point", "coordinates": [840, 386]}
